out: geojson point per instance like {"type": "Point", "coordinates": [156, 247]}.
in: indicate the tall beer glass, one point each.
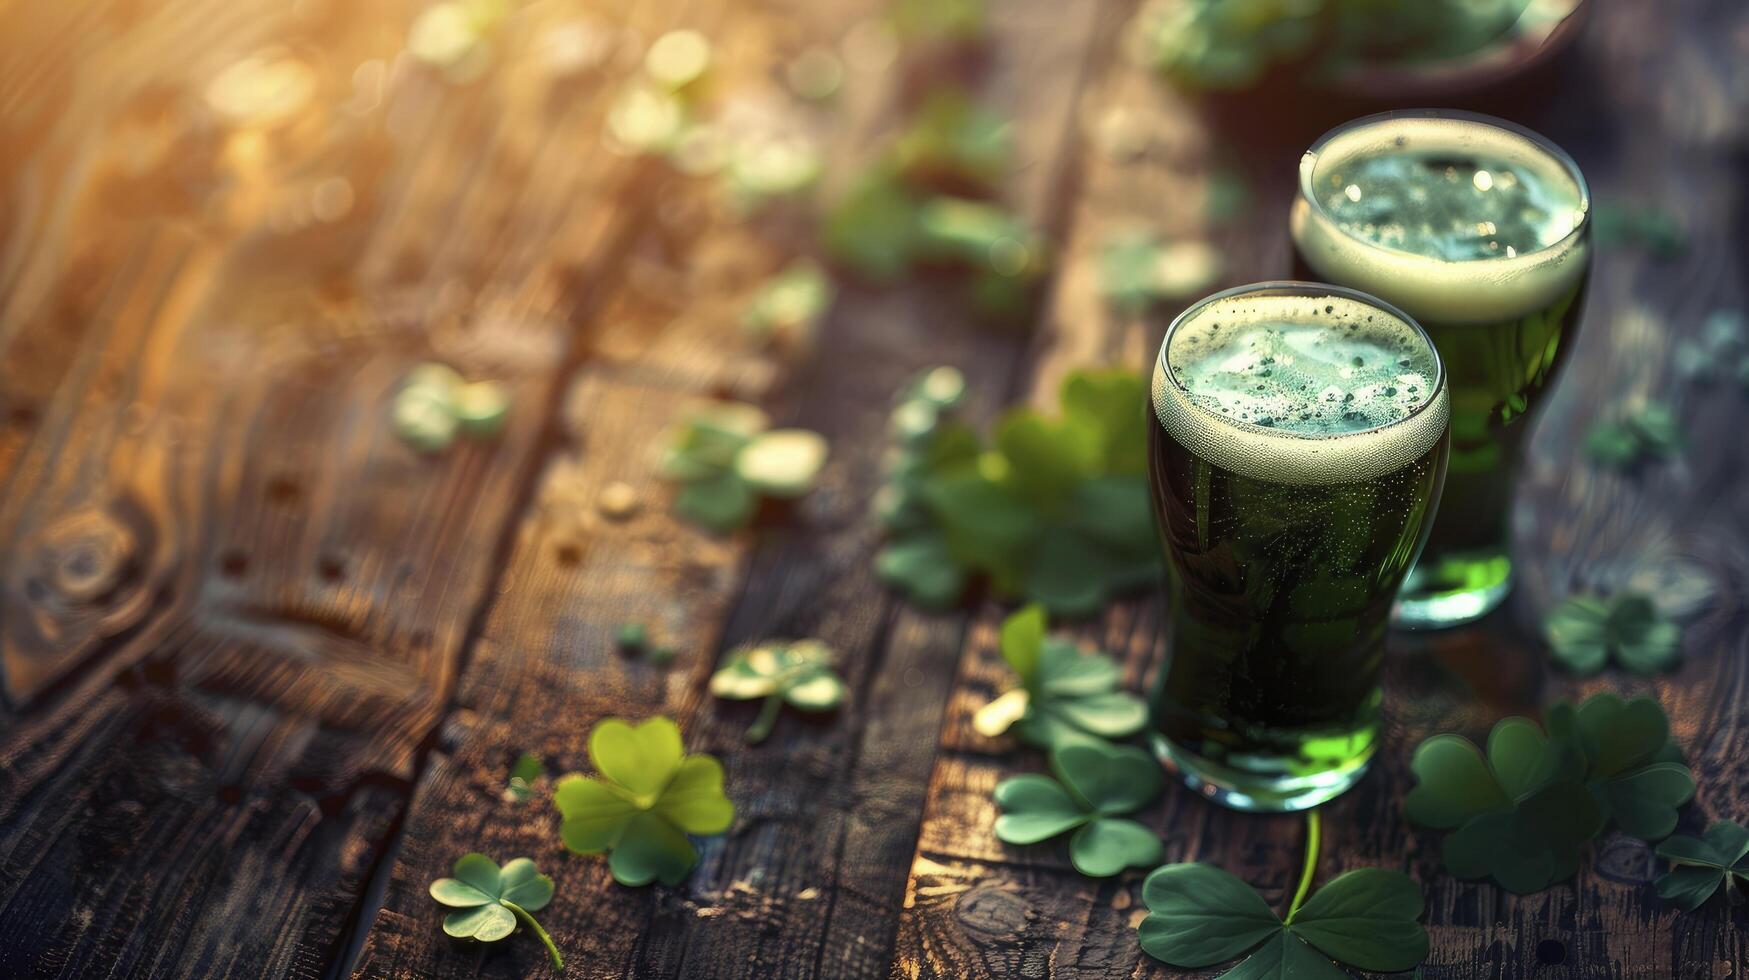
{"type": "Point", "coordinates": [1298, 446]}
{"type": "Point", "coordinates": [1477, 228]}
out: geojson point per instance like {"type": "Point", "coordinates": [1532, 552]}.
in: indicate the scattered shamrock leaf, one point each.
{"type": "Point", "coordinates": [956, 144]}
{"type": "Point", "coordinates": [1700, 866]}
{"type": "Point", "coordinates": [1096, 783]}
{"type": "Point", "coordinates": [1649, 432]}
{"type": "Point", "coordinates": [798, 672]}
{"type": "Point", "coordinates": [1523, 812]}
{"type": "Point", "coordinates": [632, 638]}
{"type": "Point", "coordinates": [787, 309]}
{"type": "Point", "coordinates": [872, 229]}
{"type": "Point", "coordinates": [523, 775]}
{"type": "Point", "coordinates": [725, 458]}
{"type": "Point", "coordinates": [490, 899]}
{"type": "Point", "coordinates": [1065, 695]}
{"type": "Point", "coordinates": [435, 402]}
{"type": "Point", "coordinates": [1053, 510]}
{"type": "Point", "coordinates": [1585, 632]}
{"type": "Point", "coordinates": [647, 797]}
{"type": "Point", "coordinates": [1200, 915]}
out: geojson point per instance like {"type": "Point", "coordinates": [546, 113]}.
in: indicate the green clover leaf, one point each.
{"type": "Point", "coordinates": [1095, 784]}
{"type": "Point", "coordinates": [1065, 696]}
{"type": "Point", "coordinates": [1649, 432]}
{"type": "Point", "coordinates": [490, 899]}
{"type": "Point", "coordinates": [435, 403]}
{"type": "Point", "coordinates": [954, 142]}
{"type": "Point", "coordinates": [1633, 768]}
{"type": "Point", "coordinates": [648, 797]}
{"type": "Point", "coordinates": [873, 229]}
{"type": "Point", "coordinates": [523, 775]}
{"type": "Point", "coordinates": [1700, 866]}
{"type": "Point", "coordinates": [1057, 510]}
{"type": "Point", "coordinates": [1585, 632]}
{"type": "Point", "coordinates": [1200, 915]}
{"type": "Point", "coordinates": [797, 672]}
{"type": "Point", "coordinates": [1523, 812]}
{"type": "Point", "coordinates": [788, 308]}
{"type": "Point", "coordinates": [725, 459]}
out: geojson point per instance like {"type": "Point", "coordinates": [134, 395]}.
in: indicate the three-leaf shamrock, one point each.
{"type": "Point", "coordinates": [1700, 866]}
{"type": "Point", "coordinates": [1585, 631]}
{"type": "Point", "coordinates": [1523, 812]}
{"type": "Point", "coordinates": [1053, 509]}
{"type": "Point", "coordinates": [797, 672]}
{"type": "Point", "coordinates": [1200, 915]}
{"type": "Point", "coordinates": [1096, 783]}
{"type": "Point", "coordinates": [648, 797]}
{"type": "Point", "coordinates": [1064, 695]}
{"type": "Point", "coordinates": [725, 458]}
{"type": "Point", "coordinates": [490, 899]}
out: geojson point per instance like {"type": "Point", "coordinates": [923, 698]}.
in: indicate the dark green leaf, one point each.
{"type": "Point", "coordinates": [1036, 808]}
{"type": "Point", "coordinates": [873, 229]}
{"type": "Point", "coordinates": [1285, 958]}
{"type": "Point", "coordinates": [1366, 918]}
{"type": "Point", "coordinates": [1703, 865]}
{"type": "Point", "coordinates": [1107, 846]}
{"type": "Point", "coordinates": [1200, 915]}
{"type": "Point", "coordinates": [922, 566]}
{"type": "Point", "coordinates": [1112, 779]}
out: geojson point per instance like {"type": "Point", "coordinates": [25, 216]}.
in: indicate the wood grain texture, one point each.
{"type": "Point", "coordinates": [263, 670]}
{"type": "Point", "coordinates": [1643, 134]}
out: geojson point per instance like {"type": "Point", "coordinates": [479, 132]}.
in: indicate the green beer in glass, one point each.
{"type": "Point", "coordinates": [1295, 461]}
{"type": "Point", "coordinates": [1477, 228]}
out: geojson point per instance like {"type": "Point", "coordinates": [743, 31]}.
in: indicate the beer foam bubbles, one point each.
{"type": "Point", "coordinates": [1297, 389]}
{"type": "Point", "coordinates": [1454, 218]}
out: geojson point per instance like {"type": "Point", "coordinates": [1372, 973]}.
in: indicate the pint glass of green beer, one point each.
{"type": "Point", "coordinates": [1477, 228]}
{"type": "Point", "coordinates": [1296, 456]}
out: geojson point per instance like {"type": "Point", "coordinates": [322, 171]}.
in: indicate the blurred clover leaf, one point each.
{"type": "Point", "coordinates": [872, 229]}
{"type": "Point", "coordinates": [1064, 694]}
{"type": "Point", "coordinates": [1200, 915]}
{"type": "Point", "coordinates": [490, 899]}
{"type": "Point", "coordinates": [435, 403]}
{"type": "Point", "coordinates": [1701, 866]}
{"type": "Point", "coordinates": [1052, 510]}
{"type": "Point", "coordinates": [647, 797]}
{"type": "Point", "coordinates": [1649, 432]}
{"type": "Point", "coordinates": [956, 144]}
{"type": "Point", "coordinates": [1719, 353]}
{"type": "Point", "coordinates": [527, 771]}
{"type": "Point", "coordinates": [787, 308]}
{"type": "Point", "coordinates": [1522, 812]}
{"type": "Point", "coordinates": [1585, 632]}
{"type": "Point", "coordinates": [1096, 783]}
{"type": "Point", "coordinates": [1138, 271]}
{"type": "Point", "coordinates": [725, 459]}
{"type": "Point", "coordinates": [797, 672]}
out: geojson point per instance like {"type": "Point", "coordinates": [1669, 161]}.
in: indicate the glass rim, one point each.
{"type": "Point", "coordinates": [1537, 140]}
{"type": "Point", "coordinates": [1301, 287]}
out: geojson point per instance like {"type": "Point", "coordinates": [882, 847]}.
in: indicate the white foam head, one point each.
{"type": "Point", "coordinates": [1439, 290]}
{"type": "Point", "coordinates": [1266, 381]}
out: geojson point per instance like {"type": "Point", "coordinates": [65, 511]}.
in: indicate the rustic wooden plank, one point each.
{"type": "Point", "coordinates": [808, 882]}
{"type": "Point", "coordinates": [234, 603]}
{"type": "Point", "coordinates": [976, 907]}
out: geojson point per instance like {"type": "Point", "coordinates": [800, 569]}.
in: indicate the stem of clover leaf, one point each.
{"type": "Point", "coordinates": [558, 961]}
{"type": "Point", "coordinates": [1310, 868]}
{"type": "Point", "coordinates": [767, 718]}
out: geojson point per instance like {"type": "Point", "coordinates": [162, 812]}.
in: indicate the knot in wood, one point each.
{"type": "Point", "coordinates": [84, 556]}
{"type": "Point", "coordinates": [994, 910]}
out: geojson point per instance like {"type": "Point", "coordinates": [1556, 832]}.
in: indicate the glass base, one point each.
{"type": "Point", "coordinates": [1256, 792]}
{"type": "Point", "coordinates": [1453, 590]}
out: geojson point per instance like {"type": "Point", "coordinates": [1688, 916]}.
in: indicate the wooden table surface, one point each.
{"type": "Point", "coordinates": [265, 668]}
